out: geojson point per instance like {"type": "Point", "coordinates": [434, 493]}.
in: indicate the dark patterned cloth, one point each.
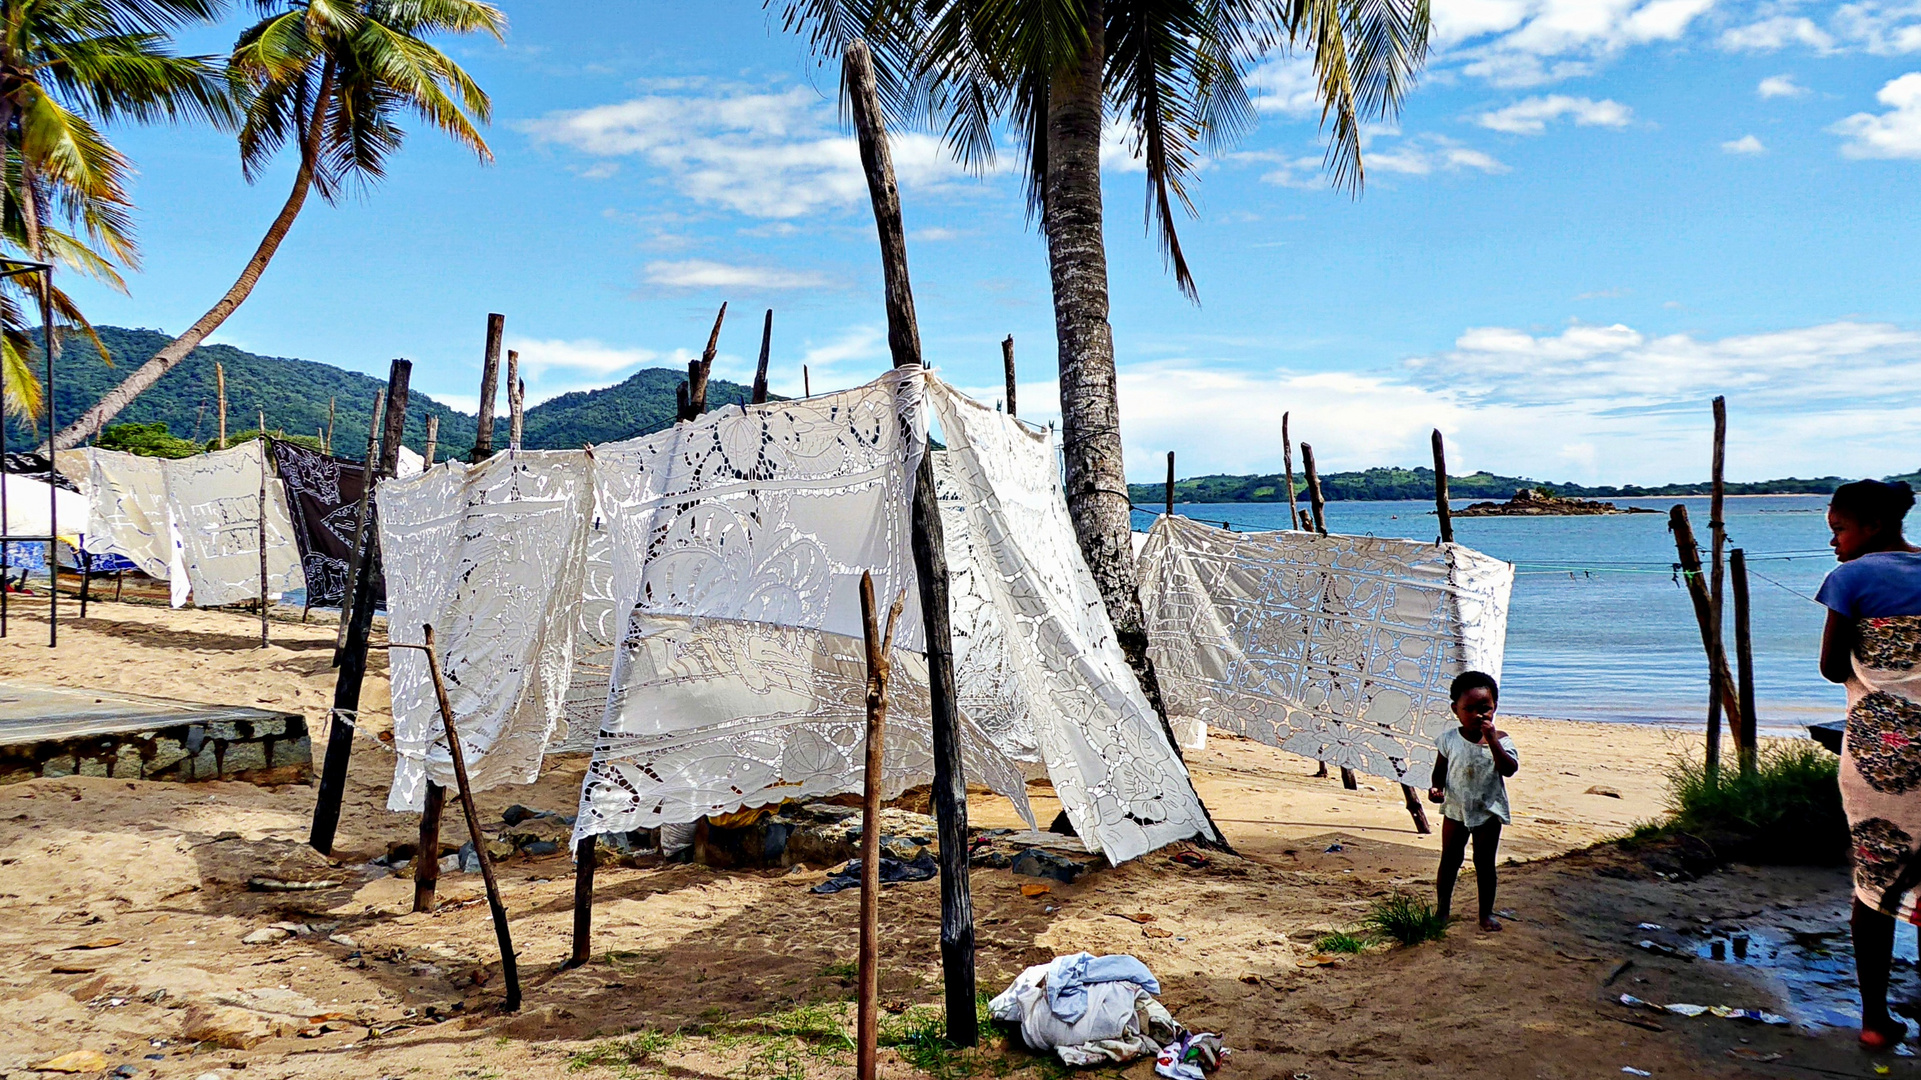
{"type": "Point", "coordinates": [323, 497]}
{"type": "Point", "coordinates": [1881, 852]}
{"type": "Point", "coordinates": [1881, 764]}
{"type": "Point", "coordinates": [1884, 734]}
{"type": "Point", "coordinates": [1887, 644]}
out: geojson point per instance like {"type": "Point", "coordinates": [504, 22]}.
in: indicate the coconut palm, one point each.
{"type": "Point", "coordinates": [332, 78]}
{"type": "Point", "coordinates": [66, 66]}
{"type": "Point", "coordinates": [1169, 74]}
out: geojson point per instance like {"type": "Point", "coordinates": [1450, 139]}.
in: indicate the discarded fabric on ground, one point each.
{"type": "Point", "coordinates": [1115, 1020]}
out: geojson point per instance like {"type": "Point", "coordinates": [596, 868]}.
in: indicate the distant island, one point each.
{"type": "Point", "coordinates": [1538, 502]}
{"type": "Point", "coordinates": [1418, 483]}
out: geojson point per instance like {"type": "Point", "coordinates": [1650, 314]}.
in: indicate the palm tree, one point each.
{"type": "Point", "coordinates": [331, 77]}
{"type": "Point", "coordinates": [65, 65]}
{"type": "Point", "coordinates": [1170, 72]}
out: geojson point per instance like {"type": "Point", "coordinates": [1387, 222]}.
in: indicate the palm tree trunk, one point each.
{"type": "Point", "coordinates": [167, 358]}
{"type": "Point", "coordinates": [1090, 409]}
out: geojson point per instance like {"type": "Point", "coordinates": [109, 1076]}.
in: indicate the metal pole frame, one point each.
{"type": "Point", "coordinates": [11, 268]}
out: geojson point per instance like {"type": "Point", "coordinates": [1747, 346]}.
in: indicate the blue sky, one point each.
{"type": "Point", "coordinates": [1592, 216]}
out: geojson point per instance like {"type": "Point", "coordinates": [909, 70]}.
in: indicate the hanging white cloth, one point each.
{"type": "Point", "coordinates": [1338, 648]}
{"type": "Point", "coordinates": [127, 511]}
{"type": "Point", "coordinates": [738, 541]}
{"type": "Point", "coordinates": [492, 557]}
{"type": "Point", "coordinates": [1053, 653]}
{"type": "Point", "coordinates": [214, 503]}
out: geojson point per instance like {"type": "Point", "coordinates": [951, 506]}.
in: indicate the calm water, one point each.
{"type": "Point", "coordinates": [1599, 629]}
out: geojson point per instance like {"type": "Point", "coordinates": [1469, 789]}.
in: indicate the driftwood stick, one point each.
{"type": "Point", "coordinates": [1007, 362]}
{"type": "Point", "coordinates": [699, 370]}
{"type": "Point", "coordinates": [1415, 810]}
{"type": "Point", "coordinates": [1441, 507]}
{"type": "Point", "coordinates": [427, 848]}
{"type": "Point", "coordinates": [1746, 722]}
{"type": "Point", "coordinates": [878, 644]}
{"type": "Point", "coordinates": [489, 376]}
{"type": "Point", "coordinates": [1170, 483]}
{"type": "Point", "coordinates": [513, 399]}
{"type": "Point", "coordinates": [1717, 542]}
{"type": "Point", "coordinates": [1718, 675]}
{"type": "Point", "coordinates": [766, 351]}
{"type": "Point", "coordinates": [356, 557]}
{"type": "Point", "coordinates": [1287, 462]}
{"type": "Point", "coordinates": [509, 970]}
{"type": "Point", "coordinates": [433, 437]}
{"type": "Point", "coordinates": [1314, 500]}
{"type": "Point", "coordinates": [586, 857]}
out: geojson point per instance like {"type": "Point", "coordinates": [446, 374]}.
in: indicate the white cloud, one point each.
{"type": "Point", "coordinates": [934, 235]}
{"type": "Point", "coordinates": [1532, 42]}
{"type": "Point", "coordinates": [1879, 27]}
{"type": "Point", "coordinates": [1775, 86]}
{"type": "Point", "coordinates": [762, 153]}
{"type": "Point", "coordinates": [1892, 134]}
{"type": "Point", "coordinates": [852, 358]}
{"type": "Point", "coordinates": [708, 274]}
{"type": "Point", "coordinates": [1285, 87]}
{"type": "Point", "coordinates": [1530, 116]}
{"type": "Point", "coordinates": [1768, 35]}
{"type": "Point", "coordinates": [1746, 144]}
{"type": "Point", "coordinates": [1424, 155]}
{"type": "Point", "coordinates": [538, 357]}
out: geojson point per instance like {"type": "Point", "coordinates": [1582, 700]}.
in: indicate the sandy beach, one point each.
{"type": "Point", "coordinates": [126, 904]}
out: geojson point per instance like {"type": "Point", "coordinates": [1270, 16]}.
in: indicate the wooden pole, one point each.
{"type": "Point", "coordinates": [489, 375]}
{"type": "Point", "coordinates": [930, 568]}
{"type": "Point", "coordinates": [1717, 541]}
{"type": "Point", "coordinates": [586, 854]}
{"type": "Point", "coordinates": [220, 389]}
{"type": "Point", "coordinates": [766, 352]}
{"type": "Point", "coordinates": [806, 383]}
{"type": "Point", "coordinates": [433, 436]}
{"type": "Point", "coordinates": [1441, 507]}
{"type": "Point", "coordinates": [1170, 483]}
{"type": "Point", "coordinates": [878, 645]}
{"type": "Point", "coordinates": [699, 370]}
{"type": "Point", "coordinates": [427, 850]}
{"type": "Point", "coordinates": [513, 399]}
{"type": "Point", "coordinates": [351, 658]}
{"type": "Point", "coordinates": [1007, 361]}
{"type": "Point", "coordinates": [1287, 461]}
{"type": "Point", "coordinates": [1314, 500]}
{"type": "Point", "coordinates": [367, 472]}
{"type": "Point", "coordinates": [260, 528]}
{"type": "Point", "coordinates": [509, 970]}
{"type": "Point", "coordinates": [327, 440]}
{"type": "Point", "coordinates": [1744, 660]}
{"type": "Point", "coordinates": [1718, 675]}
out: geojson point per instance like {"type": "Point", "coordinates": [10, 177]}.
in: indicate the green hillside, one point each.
{"type": "Point", "coordinates": [1418, 483]}
{"type": "Point", "coordinates": [295, 393]}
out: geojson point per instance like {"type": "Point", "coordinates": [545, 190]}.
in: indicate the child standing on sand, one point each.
{"type": "Point", "coordinates": [1470, 783]}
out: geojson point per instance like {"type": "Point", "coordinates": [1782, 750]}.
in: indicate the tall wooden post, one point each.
{"type": "Point", "coordinates": [806, 383]}
{"type": "Point", "coordinates": [1287, 461]}
{"type": "Point", "coordinates": [1007, 362]}
{"type": "Point", "coordinates": [878, 643]}
{"type": "Point", "coordinates": [327, 441]}
{"type": "Point", "coordinates": [427, 849]}
{"type": "Point", "coordinates": [766, 352]}
{"type": "Point", "coordinates": [433, 436]}
{"type": "Point", "coordinates": [1747, 721]}
{"type": "Point", "coordinates": [220, 389]}
{"type": "Point", "coordinates": [586, 854]}
{"type": "Point", "coordinates": [260, 528]}
{"type": "Point", "coordinates": [699, 370]}
{"type": "Point", "coordinates": [930, 568]}
{"type": "Point", "coordinates": [513, 399]}
{"type": "Point", "coordinates": [1717, 540]}
{"type": "Point", "coordinates": [1314, 500]}
{"type": "Point", "coordinates": [352, 658]}
{"type": "Point", "coordinates": [1719, 678]}
{"type": "Point", "coordinates": [489, 376]}
{"type": "Point", "coordinates": [1170, 483]}
{"type": "Point", "coordinates": [354, 557]}
{"type": "Point", "coordinates": [1442, 509]}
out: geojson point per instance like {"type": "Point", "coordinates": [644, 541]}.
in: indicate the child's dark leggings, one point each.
{"type": "Point", "coordinates": [1487, 841]}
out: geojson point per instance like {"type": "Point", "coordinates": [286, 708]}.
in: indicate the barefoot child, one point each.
{"type": "Point", "coordinates": [1469, 781]}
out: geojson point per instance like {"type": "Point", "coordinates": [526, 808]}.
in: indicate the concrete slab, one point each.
{"type": "Point", "coordinates": [60, 731]}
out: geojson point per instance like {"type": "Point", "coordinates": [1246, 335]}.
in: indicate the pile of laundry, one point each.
{"type": "Point", "coordinates": [1095, 1010]}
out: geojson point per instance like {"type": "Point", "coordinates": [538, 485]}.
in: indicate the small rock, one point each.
{"type": "Point", "coordinates": [226, 1026]}
{"type": "Point", "coordinates": [541, 847]}
{"type": "Point", "coordinates": [1607, 791]}
{"type": "Point", "coordinates": [1036, 862]}
{"type": "Point", "coordinates": [266, 935]}
{"type": "Point", "coordinates": [450, 864]}
{"type": "Point", "coordinates": [126, 1071]}
{"type": "Point", "coordinates": [344, 941]}
{"type": "Point", "coordinates": [79, 1061]}
{"type": "Point", "coordinates": [516, 814]}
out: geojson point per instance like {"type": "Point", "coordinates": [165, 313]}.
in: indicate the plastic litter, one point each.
{"type": "Point", "coordinates": [1725, 1012]}
{"type": "Point", "coordinates": [1903, 1051]}
{"type": "Point", "coordinates": [1648, 926]}
{"type": "Point", "coordinates": [1687, 1010]}
{"type": "Point", "coordinates": [1632, 1071]}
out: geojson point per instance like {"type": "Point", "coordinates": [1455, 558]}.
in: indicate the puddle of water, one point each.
{"type": "Point", "coordinates": [1808, 955]}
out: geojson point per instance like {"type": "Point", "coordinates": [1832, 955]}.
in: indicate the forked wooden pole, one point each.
{"type": "Point", "coordinates": [878, 645]}
{"type": "Point", "coordinates": [699, 370]}
{"type": "Point", "coordinates": [509, 970]}
{"type": "Point", "coordinates": [1314, 500]}
{"type": "Point", "coordinates": [1719, 677]}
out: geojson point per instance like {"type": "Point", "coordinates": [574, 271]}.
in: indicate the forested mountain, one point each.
{"type": "Point", "coordinates": [295, 394]}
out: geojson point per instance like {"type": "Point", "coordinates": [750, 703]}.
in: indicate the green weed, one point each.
{"type": "Point", "coordinates": [1406, 918]}
{"type": "Point", "coordinates": [1341, 941]}
{"type": "Point", "coordinates": [1788, 810]}
{"type": "Point", "coordinates": [625, 1057]}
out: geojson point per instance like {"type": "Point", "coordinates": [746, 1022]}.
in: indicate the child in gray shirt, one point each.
{"type": "Point", "coordinates": [1470, 783]}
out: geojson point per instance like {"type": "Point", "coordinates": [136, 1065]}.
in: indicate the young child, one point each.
{"type": "Point", "coordinates": [1469, 781]}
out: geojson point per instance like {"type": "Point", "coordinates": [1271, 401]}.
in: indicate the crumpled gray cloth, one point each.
{"type": "Point", "coordinates": [1068, 976]}
{"type": "Point", "coordinates": [892, 872]}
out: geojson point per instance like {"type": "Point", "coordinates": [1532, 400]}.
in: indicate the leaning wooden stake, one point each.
{"type": "Point", "coordinates": [586, 854]}
{"type": "Point", "coordinates": [1718, 675]}
{"type": "Point", "coordinates": [766, 352]}
{"type": "Point", "coordinates": [508, 969]}
{"type": "Point", "coordinates": [1287, 461]}
{"type": "Point", "coordinates": [1717, 542]}
{"type": "Point", "coordinates": [1442, 509]}
{"type": "Point", "coordinates": [489, 376]}
{"type": "Point", "coordinates": [930, 568]}
{"type": "Point", "coordinates": [1170, 483]}
{"type": "Point", "coordinates": [433, 436]}
{"type": "Point", "coordinates": [878, 645]}
{"type": "Point", "coordinates": [1314, 501]}
{"type": "Point", "coordinates": [1746, 722]}
{"type": "Point", "coordinates": [354, 557]}
{"type": "Point", "coordinates": [260, 528]}
{"type": "Point", "coordinates": [1007, 362]}
{"type": "Point", "coordinates": [698, 371]}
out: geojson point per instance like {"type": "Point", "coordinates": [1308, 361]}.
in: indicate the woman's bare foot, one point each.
{"type": "Point", "coordinates": [1490, 924]}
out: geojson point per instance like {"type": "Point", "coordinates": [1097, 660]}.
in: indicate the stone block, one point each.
{"type": "Point", "coordinates": [206, 764]}
{"type": "Point", "coordinates": [167, 752]}
{"type": "Point", "coordinates": [93, 766]}
{"type": "Point", "coordinates": [128, 763]}
{"type": "Point", "coordinates": [59, 765]}
{"type": "Point", "coordinates": [292, 753]}
{"type": "Point", "coordinates": [242, 757]}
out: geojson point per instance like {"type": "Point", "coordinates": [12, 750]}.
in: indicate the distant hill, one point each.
{"type": "Point", "coordinates": [295, 393]}
{"type": "Point", "coordinates": [1418, 483]}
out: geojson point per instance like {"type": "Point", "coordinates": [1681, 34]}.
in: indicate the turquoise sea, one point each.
{"type": "Point", "coordinates": [1600, 627]}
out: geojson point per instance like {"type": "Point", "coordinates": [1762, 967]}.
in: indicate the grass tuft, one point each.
{"type": "Point", "coordinates": [1406, 918]}
{"type": "Point", "coordinates": [1341, 941]}
{"type": "Point", "coordinates": [625, 1057]}
{"type": "Point", "coordinates": [1787, 811]}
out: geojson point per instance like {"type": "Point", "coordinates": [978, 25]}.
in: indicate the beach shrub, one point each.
{"type": "Point", "coordinates": [1406, 918]}
{"type": "Point", "coordinates": [147, 440]}
{"type": "Point", "coordinates": [1788, 811]}
{"type": "Point", "coordinates": [1341, 941]}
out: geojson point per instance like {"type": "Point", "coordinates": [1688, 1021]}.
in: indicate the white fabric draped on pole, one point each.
{"type": "Point", "coordinates": [127, 511]}
{"type": "Point", "coordinates": [1338, 648]}
{"type": "Point", "coordinates": [214, 503]}
{"type": "Point", "coordinates": [1034, 642]}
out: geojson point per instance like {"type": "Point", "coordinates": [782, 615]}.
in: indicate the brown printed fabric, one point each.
{"type": "Point", "coordinates": [323, 497]}
{"type": "Point", "coordinates": [1888, 644]}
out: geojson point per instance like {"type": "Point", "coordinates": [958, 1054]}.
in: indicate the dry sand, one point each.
{"type": "Point", "coordinates": [154, 876]}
